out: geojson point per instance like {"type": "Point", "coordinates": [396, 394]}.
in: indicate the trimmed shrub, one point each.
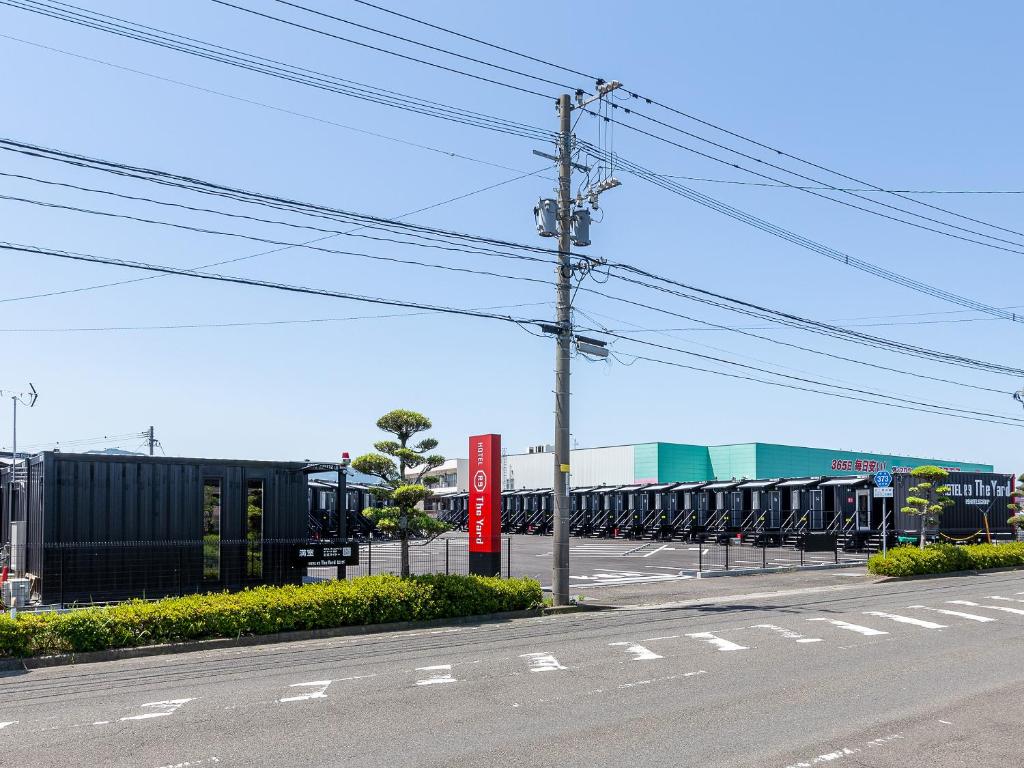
{"type": "Point", "coordinates": [264, 611]}
{"type": "Point", "coordinates": [943, 558]}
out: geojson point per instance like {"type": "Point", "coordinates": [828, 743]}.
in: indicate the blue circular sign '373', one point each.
{"type": "Point", "coordinates": [883, 479]}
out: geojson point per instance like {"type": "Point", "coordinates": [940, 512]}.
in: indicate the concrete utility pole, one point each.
{"type": "Point", "coordinates": [151, 439]}
{"type": "Point", "coordinates": [560, 486]}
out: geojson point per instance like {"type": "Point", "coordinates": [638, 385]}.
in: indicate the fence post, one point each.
{"type": "Point", "coordinates": [801, 545]}
{"type": "Point", "coordinates": [727, 554]}
{"type": "Point", "coordinates": [61, 550]}
{"type": "Point", "coordinates": [508, 557]}
{"type": "Point", "coordinates": [700, 556]}
{"type": "Point", "coordinates": [835, 549]}
{"type": "Point", "coordinates": [764, 551]}
{"type": "Point", "coordinates": [446, 548]}
{"type": "Point", "coordinates": [369, 556]}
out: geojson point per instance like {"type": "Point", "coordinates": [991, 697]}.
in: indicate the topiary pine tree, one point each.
{"type": "Point", "coordinates": [929, 497]}
{"type": "Point", "coordinates": [390, 466]}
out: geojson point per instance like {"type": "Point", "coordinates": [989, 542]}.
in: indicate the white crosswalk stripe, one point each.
{"type": "Point", "coordinates": [906, 620]}
{"type": "Point", "coordinates": [788, 633]}
{"type": "Point", "coordinates": [958, 614]}
{"type": "Point", "coordinates": [1007, 599]}
{"type": "Point", "coordinates": [542, 662]}
{"type": "Point", "coordinates": [719, 642]}
{"type": "Point", "coordinates": [640, 653]}
{"type": "Point", "coordinates": [866, 631]}
{"type": "Point", "coordinates": [1003, 608]}
{"type": "Point", "coordinates": [442, 673]}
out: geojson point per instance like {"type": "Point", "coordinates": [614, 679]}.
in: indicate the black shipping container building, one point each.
{"type": "Point", "coordinates": [978, 498]}
{"type": "Point", "coordinates": [93, 527]}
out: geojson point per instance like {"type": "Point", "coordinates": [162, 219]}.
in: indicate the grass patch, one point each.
{"type": "Point", "coordinates": [264, 610]}
{"type": "Point", "coordinates": [944, 558]}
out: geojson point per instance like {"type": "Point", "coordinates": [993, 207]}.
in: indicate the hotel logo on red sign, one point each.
{"type": "Point", "coordinates": [485, 493]}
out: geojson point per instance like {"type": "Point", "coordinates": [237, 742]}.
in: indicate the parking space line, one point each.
{"type": "Point", "coordinates": [866, 631]}
{"type": "Point", "coordinates": [719, 642]}
{"type": "Point", "coordinates": [959, 614]}
{"type": "Point", "coordinates": [640, 653]}
{"type": "Point", "coordinates": [906, 620]}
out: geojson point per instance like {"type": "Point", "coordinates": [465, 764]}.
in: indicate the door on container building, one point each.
{"type": "Point", "coordinates": [255, 567]}
{"type": "Point", "coordinates": [774, 499]}
{"type": "Point", "coordinates": [862, 513]}
{"type": "Point", "coordinates": [736, 508]}
{"type": "Point", "coordinates": [817, 519]}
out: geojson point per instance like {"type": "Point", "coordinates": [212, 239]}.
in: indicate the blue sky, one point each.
{"type": "Point", "coordinates": [908, 96]}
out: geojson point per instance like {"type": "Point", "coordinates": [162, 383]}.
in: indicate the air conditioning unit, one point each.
{"type": "Point", "coordinates": [542, 448]}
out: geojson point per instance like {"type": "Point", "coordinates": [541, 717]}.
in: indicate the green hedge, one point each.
{"type": "Point", "coordinates": [943, 558]}
{"type": "Point", "coordinates": [264, 610]}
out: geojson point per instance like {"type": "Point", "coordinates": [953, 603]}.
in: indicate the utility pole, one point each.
{"type": "Point", "coordinates": [559, 488]}
{"type": "Point", "coordinates": [558, 217]}
{"type": "Point", "coordinates": [151, 439]}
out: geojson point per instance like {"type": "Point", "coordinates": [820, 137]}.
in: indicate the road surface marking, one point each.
{"type": "Point", "coordinates": [867, 631]}
{"type": "Point", "coordinates": [320, 691]}
{"type": "Point", "coordinates": [1004, 608]}
{"type": "Point", "coordinates": [906, 620]}
{"type": "Point", "coordinates": [542, 662]}
{"type": "Point", "coordinates": [945, 722]}
{"type": "Point", "coordinates": [662, 637]}
{"type": "Point", "coordinates": [960, 614]}
{"type": "Point", "coordinates": [1006, 599]}
{"type": "Point", "coordinates": [167, 708]}
{"type": "Point", "coordinates": [190, 763]}
{"type": "Point", "coordinates": [102, 722]}
{"type": "Point", "coordinates": [826, 758]}
{"type": "Point", "coordinates": [639, 652]}
{"type": "Point", "coordinates": [443, 674]}
{"type": "Point", "coordinates": [11, 722]}
{"type": "Point", "coordinates": [720, 643]}
{"type": "Point", "coordinates": [788, 633]}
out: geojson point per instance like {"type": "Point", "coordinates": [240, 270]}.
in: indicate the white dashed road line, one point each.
{"type": "Point", "coordinates": [788, 633]}
{"type": "Point", "coordinates": [542, 662]}
{"type": "Point", "coordinates": [958, 614]}
{"type": "Point", "coordinates": [1003, 608]}
{"type": "Point", "coordinates": [319, 691]}
{"type": "Point", "coordinates": [906, 620]}
{"type": "Point", "coordinates": [640, 653]}
{"type": "Point", "coordinates": [442, 674]}
{"type": "Point", "coordinates": [166, 708]}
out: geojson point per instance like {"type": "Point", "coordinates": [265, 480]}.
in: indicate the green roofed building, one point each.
{"type": "Point", "coordinates": [680, 462]}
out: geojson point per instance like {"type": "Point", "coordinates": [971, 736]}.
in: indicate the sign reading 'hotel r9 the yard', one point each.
{"type": "Point", "coordinates": [485, 505]}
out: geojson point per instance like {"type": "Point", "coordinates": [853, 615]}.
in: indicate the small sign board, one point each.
{"type": "Point", "coordinates": [321, 467]}
{"type": "Point", "coordinates": [318, 554]}
{"type": "Point", "coordinates": [883, 479]}
{"type": "Point", "coordinates": [884, 493]}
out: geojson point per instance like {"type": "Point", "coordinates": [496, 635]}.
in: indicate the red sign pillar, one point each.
{"type": "Point", "coordinates": [485, 505]}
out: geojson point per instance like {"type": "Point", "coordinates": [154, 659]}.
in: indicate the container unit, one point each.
{"type": "Point", "coordinates": [512, 519]}
{"type": "Point", "coordinates": [720, 508]}
{"type": "Point", "coordinates": [856, 514]}
{"type": "Point", "coordinates": [537, 509]}
{"type": "Point", "coordinates": [605, 510]}
{"type": "Point", "coordinates": [803, 506]}
{"type": "Point", "coordinates": [762, 510]}
{"type": "Point", "coordinates": [630, 505]}
{"type": "Point", "coordinates": [581, 522]}
{"type": "Point", "coordinates": [979, 506]}
{"type": "Point", "coordinates": [104, 527]}
{"type": "Point", "coordinates": [659, 502]}
{"type": "Point", "coordinates": [322, 509]}
{"type": "Point", "coordinates": [685, 504]}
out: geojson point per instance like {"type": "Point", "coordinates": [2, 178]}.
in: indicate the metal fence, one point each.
{"type": "Point", "coordinates": [85, 573]}
{"type": "Point", "coordinates": [443, 555]}
{"type": "Point", "coordinates": [736, 554]}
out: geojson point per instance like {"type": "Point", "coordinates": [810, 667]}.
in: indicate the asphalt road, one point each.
{"type": "Point", "coordinates": [848, 672]}
{"type": "Point", "coordinates": [595, 563]}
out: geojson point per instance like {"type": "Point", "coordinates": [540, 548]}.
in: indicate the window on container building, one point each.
{"type": "Point", "coordinates": [254, 529]}
{"type": "Point", "coordinates": [211, 529]}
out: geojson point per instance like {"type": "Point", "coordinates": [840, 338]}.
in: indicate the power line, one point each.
{"type": "Point", "coordinates": [253, 102]}
{"type": "Point", "coordinates": [802, 388]}
{"type": "Point", "coordinates": [815, 382]}
{"type": "Point", "coordinates": [341, 38]}
{"type": "Point", "coordinates": [211, 188]}
{"type": "Point", "coordinates": [810, 191]}
{"type": "Point", "coordinates": [248, 324]}
{"type": "Point", "coordinates": [246, 257]}
{"type": "Point", "coordinates": [76, 256]}
{"type": "Point", "coordinates": [421, 44]}
{"type": "Point", "coordinates": [804, 242]}
{"type": "Point", "coordinates": [740, 306]}
{"type": "Point", "coordinates": [475, 39]}
{"type": "Point", "coordinates": [740, 183]}
{"type": "Point", "coordinates": [274, 68]}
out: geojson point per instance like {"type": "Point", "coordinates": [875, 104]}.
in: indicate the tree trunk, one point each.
{"type": "Point", "coordinates": [403, 534]}
{"type": "Point", "coordinates": [921, 540]}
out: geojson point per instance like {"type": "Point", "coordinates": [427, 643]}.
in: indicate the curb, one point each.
{"type": "Point", "coordinates": [554, 610]}
{"type": "Point", "coordinates": [117, 654]}
{"type": "Point", "coordinates": [976, 572]}
{"type": "Point", "coordinates": [781, 569]}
